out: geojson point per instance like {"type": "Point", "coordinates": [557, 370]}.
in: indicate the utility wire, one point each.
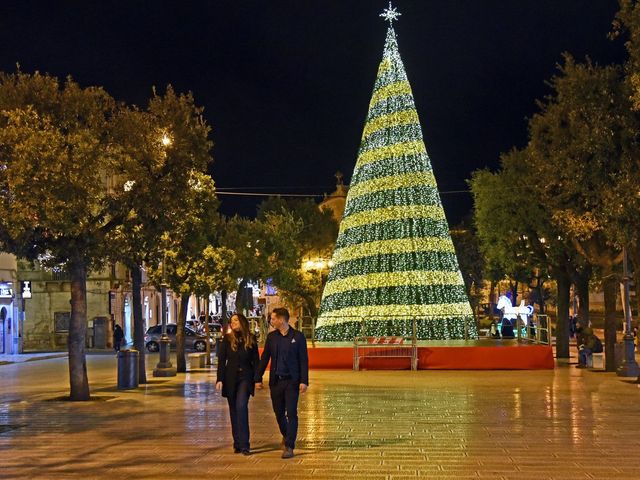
{"type": "Point", "coordinates": [223, 191]}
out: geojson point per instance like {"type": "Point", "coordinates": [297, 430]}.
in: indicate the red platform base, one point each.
{"type": "Point", "coordinates": [473, 356]}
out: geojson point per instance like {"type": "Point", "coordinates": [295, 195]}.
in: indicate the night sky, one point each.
{"type": "Point", "coordinates": [286, 84]}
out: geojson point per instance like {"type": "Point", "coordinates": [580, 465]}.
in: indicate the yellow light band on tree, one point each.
{"type": "Point", "coordinates": [392, 213]}
{"type": "Point", "coordinates": [393, 182]}
{"type": "Point", "coordinates": [401, 245]}
{"type": "Point", "coordinates": [393, 89]}
{"type": "Point", "coordinates": [352, 314]}
{"type": "Point", "coordinates": [391, 120]}
{"type": "Point", "coordinates": [393, 279]}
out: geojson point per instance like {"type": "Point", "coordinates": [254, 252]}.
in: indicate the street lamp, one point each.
{"type": "Point", "coordinates": [164, 367]}
{"type": "Point", "coordinates": [629, 367]}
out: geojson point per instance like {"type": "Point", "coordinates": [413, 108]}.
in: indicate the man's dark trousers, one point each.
{"type": "Point", "coordinates": [284, 398]}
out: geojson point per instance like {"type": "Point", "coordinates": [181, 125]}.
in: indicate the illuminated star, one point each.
{"type": "Point", "coordinates": [390, 14]}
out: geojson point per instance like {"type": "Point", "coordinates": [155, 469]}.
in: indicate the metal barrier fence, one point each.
{"type": "Point", "coordinates": [536, 330]}
{"type": "Point", "coordinates": [384, 348]}
{"type": "Point", "coordinates": [539, 330]}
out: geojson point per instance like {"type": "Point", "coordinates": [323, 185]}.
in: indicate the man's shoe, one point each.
{"type": "Point", "coordinates": [288, 453]}
{"type": "Point", "coordinates": [581, 366]}
{"type": "Point", "coordinates": [236, 450]}
{"type": "Point", "coordinates": [246, 452]}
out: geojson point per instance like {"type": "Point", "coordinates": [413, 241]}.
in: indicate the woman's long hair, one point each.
{"type": "Point", "coordinates": [248, 338]}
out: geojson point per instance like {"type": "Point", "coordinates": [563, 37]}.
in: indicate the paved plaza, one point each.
{"type": "Point", "coordinates": [561, 424]}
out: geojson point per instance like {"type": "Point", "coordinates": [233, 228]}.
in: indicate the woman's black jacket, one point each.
{"type": "Point", "coordinates": [235, 366]}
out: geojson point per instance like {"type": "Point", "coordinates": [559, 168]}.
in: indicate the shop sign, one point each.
{"type": "Point", "coordinates": [112, 302]}
{"type": "Point", "coordinates": [5, 290]}
{"type": "Point", "coordinates": [26, 288]}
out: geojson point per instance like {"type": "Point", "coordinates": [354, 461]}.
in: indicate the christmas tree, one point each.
{"type": "Point", "coordinates": [394, 259]}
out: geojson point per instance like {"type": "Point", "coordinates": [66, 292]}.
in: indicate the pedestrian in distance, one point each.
{"type": "Point", "coordinates": [238, 360]}
{"type": "Point", "coordinates": [118, 335]}
{"type": "Point", "coordinates": [286, 347]}
{"type": "Point", "coordinates": [588, 344]}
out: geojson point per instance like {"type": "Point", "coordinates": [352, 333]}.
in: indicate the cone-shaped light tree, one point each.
{"type": "Point", "coordinates": [394, 260]}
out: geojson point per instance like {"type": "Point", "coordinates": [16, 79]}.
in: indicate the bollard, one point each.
{"type": "Point", "coordinates": [127, 369]}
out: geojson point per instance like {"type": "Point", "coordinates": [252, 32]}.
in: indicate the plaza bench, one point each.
{"type": "Point", "coordinates": [597, 361]}
{"type": "Point", "coordinates": [386, 347]}
{"type": "Point", "coordinates": [197, 360]}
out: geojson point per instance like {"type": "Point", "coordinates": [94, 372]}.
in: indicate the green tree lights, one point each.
{"type": "Point", "coordinates": [394, 258]}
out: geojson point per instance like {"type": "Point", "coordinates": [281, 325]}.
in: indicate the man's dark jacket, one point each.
{"type": "Point", "coordinates": [297, 361]}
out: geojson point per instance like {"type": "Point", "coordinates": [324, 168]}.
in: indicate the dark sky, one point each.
{"type": "Point", "coordinates": [286, 83]}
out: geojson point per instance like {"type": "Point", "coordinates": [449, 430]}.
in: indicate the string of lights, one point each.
{"type": "Point", "coordinates": [229, 191]}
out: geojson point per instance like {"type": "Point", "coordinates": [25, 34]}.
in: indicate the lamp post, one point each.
{"type": "Point", "coordinates": [629, 367]}
{"type": "Point", "coordinates": [164, 367]}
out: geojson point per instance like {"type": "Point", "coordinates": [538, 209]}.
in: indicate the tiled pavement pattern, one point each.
{"type": "Point", "coordinates": [562, 424]}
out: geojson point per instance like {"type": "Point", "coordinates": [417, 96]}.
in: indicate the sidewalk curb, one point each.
{"type": "Point", "coordinates": [34, 358]}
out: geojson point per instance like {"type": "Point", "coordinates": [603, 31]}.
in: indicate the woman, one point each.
{"type": "Point", "coordinates": [237, 362]}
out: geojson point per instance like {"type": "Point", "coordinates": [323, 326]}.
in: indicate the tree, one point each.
{"type": "Point", "coordinates": [627, 23]}
{"type": "Point", "coordinates": [57, 157]}
{"type": "Point", "coordinates": [472, 263]}
{"type": "Point", "coordinates": [195, 263]}
{"type": "Point", "coordinates": [314, 238]}
{"type": "Point", "coordinates": [584, 150]}
{"type": "Point", "coordinates": [394, 258]}
{"type": "Point", "coordinates": [519, 237]}
{"type": "Point", "coordinates": [266, 247]}
{"type": "Point", "coordinates": [163, 146]}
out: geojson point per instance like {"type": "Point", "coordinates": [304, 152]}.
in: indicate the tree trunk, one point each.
{"type": "Point", "coordinates": [241, 305]}
{"type": "Point", "coordinates": [541, 295]}
{"type": "Point", "coordinates": [206, 330]}
{"type": "Point", "coordinates": [582, 286]}
{"type": "Point", "coordinates": [310, 302]}
{"type": "Point", "coordinates": [79, 382]}
{"type": "Point", "coordinates": [610, 284]}
{"type": "Point", "coordinates": [223, 310]}
{"type": "Point", "coordinates": [138, 322]}
{"type": "Point", "coordinates": [634, 253]}
{"type": "Point", "coordinates": [492, 294]}
{"type": "Point", "coordinates": [562, 318]}
{"type": "Point", "coordinates": [181, 362]}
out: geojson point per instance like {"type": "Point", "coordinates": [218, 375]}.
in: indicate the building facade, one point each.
{"type": "Point", "coordinates": [35, 307]}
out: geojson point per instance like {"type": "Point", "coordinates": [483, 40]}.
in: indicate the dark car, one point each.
{"type": "Point", "coordinates": [192, 339]}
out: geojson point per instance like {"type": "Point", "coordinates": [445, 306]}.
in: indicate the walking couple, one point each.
{"type": "Point", "coordinates": [240, 371]}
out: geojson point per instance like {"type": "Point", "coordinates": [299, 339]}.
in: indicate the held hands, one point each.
{"type": "Point", "coordinates": [303, 388]}
{"type": "Point", "coordinates": [259, 386]}
{"type": "Point", "coordinates": [219, 386]}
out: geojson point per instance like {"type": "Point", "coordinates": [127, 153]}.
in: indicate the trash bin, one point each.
{"type": "Point", "coordinates": [128, 369]}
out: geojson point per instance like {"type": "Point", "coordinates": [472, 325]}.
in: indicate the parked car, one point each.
{"type": "Point", "coordinates": [192, 339]}
{"type": "Point", "coordinates": [215, 328]}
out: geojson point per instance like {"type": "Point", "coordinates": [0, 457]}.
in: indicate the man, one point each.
{"type": "Point", "coordinates": [286, 347]}
{"type": "Point", "coordinates": [588, 344]}
{"type": "Point", "coordinates": [118, 335]}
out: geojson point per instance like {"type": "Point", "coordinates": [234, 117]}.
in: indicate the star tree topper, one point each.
{"type": "Point", "coordinates": [390, 14]}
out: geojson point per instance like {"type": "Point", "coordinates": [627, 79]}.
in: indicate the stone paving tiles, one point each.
{"type": "Point", "coordinates": [562, 424]}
